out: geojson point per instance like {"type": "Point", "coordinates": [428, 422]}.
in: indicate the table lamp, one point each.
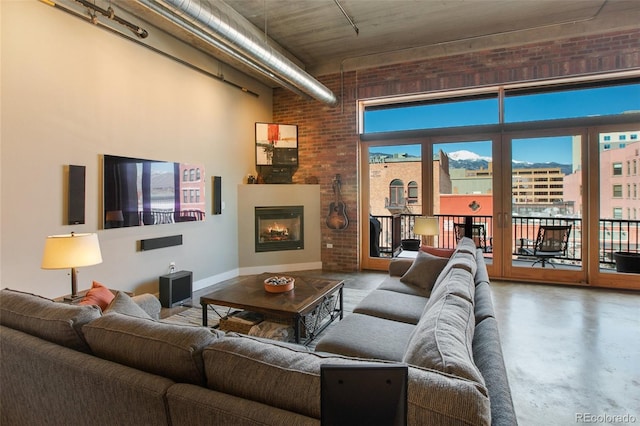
{"type": "Point", "coordinates": [426, 226]}
{"type": "Point", "coordinates": [71, 251]}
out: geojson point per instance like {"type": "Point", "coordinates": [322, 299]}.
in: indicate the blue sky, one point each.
{"type": "Point", "coordinates": [538, 150]}
{"type": "Point", "coordinates": [528, 107]}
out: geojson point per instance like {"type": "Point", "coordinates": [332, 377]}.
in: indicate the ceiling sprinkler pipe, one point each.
{"type": "Point", "coordinates": [221, 26]}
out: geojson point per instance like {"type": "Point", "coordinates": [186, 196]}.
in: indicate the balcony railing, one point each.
{"type": "Point", "coordinates": [614, 234]}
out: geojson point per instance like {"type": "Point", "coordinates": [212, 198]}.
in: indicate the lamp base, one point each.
{"type": "Point", "coordinates": [75, 298]}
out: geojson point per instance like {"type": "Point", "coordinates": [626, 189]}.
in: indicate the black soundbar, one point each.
{"type": "Point", "coordinates": [161, 242]}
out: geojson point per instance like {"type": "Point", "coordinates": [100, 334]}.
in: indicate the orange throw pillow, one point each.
{"type": "Point", "coordinates": [440, 252]}
{"type": "Point", "coordinates": [98, 295]}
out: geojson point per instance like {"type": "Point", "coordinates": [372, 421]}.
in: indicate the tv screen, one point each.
{"type": "Point", "coordinates": [139, 192]}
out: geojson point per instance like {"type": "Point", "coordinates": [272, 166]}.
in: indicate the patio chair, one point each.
{"type": "Point", "coordinates": [551, 242]}
{"type": "Point", "coordinates": [479, 235]}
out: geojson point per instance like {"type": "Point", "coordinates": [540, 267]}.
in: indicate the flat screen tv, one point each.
{"type": "Point", "coordinates": [139, 192]}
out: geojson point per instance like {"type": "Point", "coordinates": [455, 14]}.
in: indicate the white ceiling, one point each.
{"type": "Point", "coordinates": [321, 38]}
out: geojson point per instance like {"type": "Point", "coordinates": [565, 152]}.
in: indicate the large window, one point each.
{"type": "Point", "coordinates": [554, 155]}
{"type": "Point", "coordinates": [573, 102]}
{"type": "Point", "coordinates": [520, 105]}
{"type": "Point", "coordinates": [434, 114]}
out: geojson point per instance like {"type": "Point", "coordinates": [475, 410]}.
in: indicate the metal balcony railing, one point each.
{"type": "Point", "coordinates": [614, 234]}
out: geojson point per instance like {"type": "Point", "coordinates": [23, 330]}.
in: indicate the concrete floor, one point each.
{"type": "Point", "coordinates": [572, 353]}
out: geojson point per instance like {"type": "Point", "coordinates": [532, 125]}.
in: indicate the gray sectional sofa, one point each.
{"type": "Point", "coordinates": [437, 315]}
{"type": "Point", "coordinates": [67, 364]}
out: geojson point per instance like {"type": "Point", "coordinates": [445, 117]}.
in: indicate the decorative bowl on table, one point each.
{"type": "Point", "coordinates": [279, 284]}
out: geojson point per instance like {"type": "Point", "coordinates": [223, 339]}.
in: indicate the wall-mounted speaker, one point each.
{"type": "Point", "coordinates": [76, 186]}
{"type": "Point", "coordinates": [160, 242]}
{"type": "Point", "coordinates": [216, 188]}
{"type": "Point", "coordinates": [175, 288]}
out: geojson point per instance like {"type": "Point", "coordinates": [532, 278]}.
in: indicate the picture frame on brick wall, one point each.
{"type": "Point", "coordinates": [276, 145]}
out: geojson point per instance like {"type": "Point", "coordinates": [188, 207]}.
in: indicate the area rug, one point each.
{"type": "Point", "coordinates": [193, 315]}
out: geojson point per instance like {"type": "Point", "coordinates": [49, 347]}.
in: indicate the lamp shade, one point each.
{"type": "Point", "coordinates": [425, 226]}
{"type": "Point", "coordinates": [71, 251]}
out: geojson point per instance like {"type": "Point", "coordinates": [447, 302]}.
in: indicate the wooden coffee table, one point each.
{"type": "Point", "coordinates": [312, 305]}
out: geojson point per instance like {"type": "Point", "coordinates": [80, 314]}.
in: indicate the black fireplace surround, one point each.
{"type": "Point", "coordinates": [279, 228]}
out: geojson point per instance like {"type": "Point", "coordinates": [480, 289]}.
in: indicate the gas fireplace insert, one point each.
{"type": "Point", "coordinates": [279, 228]}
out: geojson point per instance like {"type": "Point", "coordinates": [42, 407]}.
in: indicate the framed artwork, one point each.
{"type": "Point", "coordinates": [276, 144]}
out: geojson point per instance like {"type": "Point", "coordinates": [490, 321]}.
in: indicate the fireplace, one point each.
{"type": "Point", "coordinates": [279, 228]}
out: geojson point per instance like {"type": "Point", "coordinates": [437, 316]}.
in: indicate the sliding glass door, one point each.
{"type": "Point", "coordinates": [615, 236]}
{"type": "Point", "coordinates": [545, 209]}
{"type": "Point", "coordinates": [463, 187]}
{"type": "Point", "coordinates": [548, 173]}
{"type": "Point", "coordinates": [393, 187]}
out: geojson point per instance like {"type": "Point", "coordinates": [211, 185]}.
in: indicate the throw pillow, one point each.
{"type": "Point", "coordinates": [123, 304]}
{"type": "Point", "coordinates": [424, 271]}
{"type": "Point", "coordinates": [440, 252]}
{"type": "Point", "coordinates": [98, 295]}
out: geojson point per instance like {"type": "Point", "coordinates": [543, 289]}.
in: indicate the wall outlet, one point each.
{"type": "Point", "coordinates": [172, 267]}
{"type": "Point", "coordinates": [329, 245]}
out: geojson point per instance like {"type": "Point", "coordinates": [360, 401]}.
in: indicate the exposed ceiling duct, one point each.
{"type": "Point", "coordinates": [221, 26]}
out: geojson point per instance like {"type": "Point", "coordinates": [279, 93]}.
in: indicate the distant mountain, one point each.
{"type": "Point", "coordinates": [468, 160]}
{"type": "Point", "coordinates": [464, 155]}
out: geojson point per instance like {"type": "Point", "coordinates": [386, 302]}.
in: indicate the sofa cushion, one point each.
{"type": "Point", "coordinates": [424, 271]}
{"type": "Point", "coordinates": [466, 244]}
{"type": "Point", "coordinates": [56, 322]}
{"type": "Point", "coordinates": [149, 303]}
{"type": "Point", "coordinates": [457, 280]}
{"type": "Point", "coordinates": [288, 379]}
{"type": "Point", "coordinates": [365, 336]}
{"type": "Point", "coordinates": [483, 305]}
{"type": "Point", "coordinates": [482, 275]}
{"type": "Point", "coordinates": [393, 306]}
{"type": "Point", "coordinates": [460, 260]}
{"type": "Point", "coordinates": [394, 284]}
{"type": "Point", "coordinates": [443, 339]}
{"type": "Point", "coordinates": [195, 405]}
{"type": "Point", "coordinates": [98, 295]}
{"type": "Point", "coordinates": [123, 304]}
{"type": "Point", "coordinates": [277, 375]}
{"type": "Point", "coordinates": [169, 350]}
{"type": "Point", "coordinates": [487, 353]}
{"type": "Point", "coordinates": [436, 398]}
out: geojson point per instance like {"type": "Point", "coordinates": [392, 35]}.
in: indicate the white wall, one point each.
{"type": "Point", "coordinates": [72, 92]}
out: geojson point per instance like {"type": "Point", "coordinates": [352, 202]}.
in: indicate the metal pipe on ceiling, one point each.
{"type": "Point", "coordinates": [220, 25]}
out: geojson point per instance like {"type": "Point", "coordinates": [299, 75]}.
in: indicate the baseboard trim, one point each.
{"type": "Point", "coordinates": [253, 270]}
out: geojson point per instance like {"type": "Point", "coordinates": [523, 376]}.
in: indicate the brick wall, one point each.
{"type": "Point", "coordinates": [328, 139]}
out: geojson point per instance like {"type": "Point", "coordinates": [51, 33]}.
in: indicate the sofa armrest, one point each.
{"type": "Point", "coordinates": [149, 303]}
{"type": "Point", "coordinates": [398, 266]}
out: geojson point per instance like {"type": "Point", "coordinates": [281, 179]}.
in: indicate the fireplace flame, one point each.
{"type": "Point", "coordinates": [278, 229]}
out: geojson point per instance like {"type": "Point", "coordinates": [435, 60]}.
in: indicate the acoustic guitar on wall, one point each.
{"type": "Point", "coordinates": [337, 218]}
